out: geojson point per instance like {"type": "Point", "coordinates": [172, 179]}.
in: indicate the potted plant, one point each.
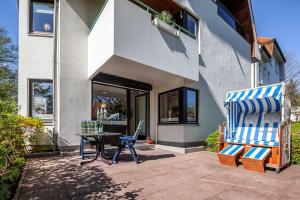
{"type": "Point", "coordinates": [164, 21]}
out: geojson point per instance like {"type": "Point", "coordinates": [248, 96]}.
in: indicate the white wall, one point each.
{"type": "Point", "coordinates": [269, 71]}
{"type": "Point", "coordinates": [35, 57]}
{"type": "Point", "coordinates": [224, 62]}
{"type": "Point", "coordinates": [101, 40]}
{"type": "Point", "coordinates": [74, 85]}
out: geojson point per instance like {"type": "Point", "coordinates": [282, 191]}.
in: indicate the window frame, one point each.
{"type": "Point", "coordinates": [182, 106]}
{"type": "Point", "coordinates": [31, 95]}
{"type": "Point", "coordinates": [185, 14]}
{"type": "Point", "coordinates": [30, 23]}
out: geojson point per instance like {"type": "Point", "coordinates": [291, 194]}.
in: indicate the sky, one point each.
{"type": "Point", "coordinates": [279, 19]}
{"type": "Point", "coordinates": [273, 18]}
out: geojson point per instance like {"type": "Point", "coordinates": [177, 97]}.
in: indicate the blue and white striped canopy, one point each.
{"type": "Point", "coordinates": [253, 102]}
{"type": "Point", "coordinates": [256, 100]}
{"type": "Point", "coordinates": [274, 91]}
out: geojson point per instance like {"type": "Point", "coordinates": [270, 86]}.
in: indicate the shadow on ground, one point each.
{"type": "Point", "coordinates": [63, 178]}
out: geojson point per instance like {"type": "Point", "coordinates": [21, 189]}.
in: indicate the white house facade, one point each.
{"type": "Point", "coordinates": [77, 56]}
{"type": "Point", "coordinates": [271, 67]}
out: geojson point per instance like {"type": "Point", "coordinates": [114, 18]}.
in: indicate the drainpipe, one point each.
{"type": "Point", "coordinates": [156, 114]}
{"type": "Point", "coordinates": [55, 64]}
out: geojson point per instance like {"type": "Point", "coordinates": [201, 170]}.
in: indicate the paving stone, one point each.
{"type": "Point", "coordinates": [162, 175]}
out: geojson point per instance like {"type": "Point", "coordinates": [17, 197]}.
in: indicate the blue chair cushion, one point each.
{"type": "Point", "coordinates": [257, 153]}
{"type": "Point", "coordinates": [232, 149]}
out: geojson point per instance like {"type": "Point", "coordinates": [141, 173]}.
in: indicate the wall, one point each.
{"type": "Point", "coordinates": [269, 69]}
{"type": "Point", "coordinates": [35, 57]}
{"type": "Point", "coordinates": [130, 34]}
{"type": "Point", "coordinates": [101, 40]}
{"type": "Point", "coordinates": [224, 64]}
{"type": "Point", "coordinates": [74, 85]}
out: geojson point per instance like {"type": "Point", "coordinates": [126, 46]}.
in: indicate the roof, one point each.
{"type": "Point", "coordinates": [268, 44]}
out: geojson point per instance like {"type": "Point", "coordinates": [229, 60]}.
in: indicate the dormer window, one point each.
{"type": "Point", "coordinates": [41, 16]}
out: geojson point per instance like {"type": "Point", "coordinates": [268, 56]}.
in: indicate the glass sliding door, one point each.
{"type": "Point", "coordinates": [113, 102]}
{"type": "Point", "coordinates": [122, 108]}
{"type": "Point", "coordinates": [141, 113]}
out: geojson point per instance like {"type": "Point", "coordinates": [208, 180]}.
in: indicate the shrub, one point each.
{"type": "Point", "coordinates": [296, 149]}
{"type": "Point", "coordinates": [296, 128]}
{"type": "Point", "coordinates": [8, 181]}
{"type": "Point", "coordinates": [212, 141]}
{"type": "Point", "coordinates": [15, 130]}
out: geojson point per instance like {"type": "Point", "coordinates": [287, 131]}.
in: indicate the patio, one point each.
{"type": "Point", "coordinates": [162, 175]}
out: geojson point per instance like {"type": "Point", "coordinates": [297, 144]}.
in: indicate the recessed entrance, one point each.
{"type": "Point", "coordinates": [123, 107]}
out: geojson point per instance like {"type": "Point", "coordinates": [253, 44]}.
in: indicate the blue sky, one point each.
{"type": "Point", "coordinates": [273, 18]}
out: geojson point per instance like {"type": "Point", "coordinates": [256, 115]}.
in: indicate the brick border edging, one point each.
{"type": "Point", "coordinates": [20, 183]}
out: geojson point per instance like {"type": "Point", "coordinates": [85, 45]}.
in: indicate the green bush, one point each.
{"type": "Point", "coordinates": [212, 141]}
{"type": "Point", "coordinates": [15, 130]}
{"type": "Point", "coordinates": [8, 180]}
{"type": "Point", "coordinates": [296, 149]}
{"type": "Point", "coordinates": [296, 128]}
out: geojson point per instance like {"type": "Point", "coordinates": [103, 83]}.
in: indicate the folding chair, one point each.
{"type": "Point", "coordinates": [128, 142]}
{"type": "Point", "coordinates": [87, 127]}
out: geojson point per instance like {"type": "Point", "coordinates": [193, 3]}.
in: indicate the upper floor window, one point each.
{"type": "Point", "coordinates": [41, 99]}
{"type": "Point", "coordinates": [187, 21]}
{"type": "Point", "coordinates": [190, 23]}
{"type": "Point", "coordinates": [41, 16]}
{"type": "Point", "coordinates": [229, 18]}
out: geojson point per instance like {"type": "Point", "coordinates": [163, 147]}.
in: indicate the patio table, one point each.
{"type": "Point", "coordinates": [99, 140]}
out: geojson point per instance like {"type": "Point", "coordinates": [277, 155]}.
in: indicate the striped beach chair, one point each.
{"type": "Point", "coordinates": [255, 158]}
{"type": "Point", "coordinates": [258, 127]}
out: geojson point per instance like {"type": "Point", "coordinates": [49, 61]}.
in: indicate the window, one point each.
{"type": "Point", "coordinates": [41, 19]}
{"type": "Point", "coordinates": [169, 107]}
{"type": "Point", "coordinates": [191, 24]}
{"type": "Point", "coordinates": [228, 17]}
{"type": "Point", "coordinates": [191, 110]}
{"type": "Point", "coordinates": [187, 21]}
{"type": "Point", "coordinates": [112, 102]}
{"type": "Point", "coordinates": [41, 99]}
{"type": "Point", "coordinates": [178, 106]}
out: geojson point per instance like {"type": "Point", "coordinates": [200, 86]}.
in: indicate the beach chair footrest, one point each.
{"type": "Point", "coordinates": [228, 156]}
{"type": "Point", "coordinates": [254, 159]}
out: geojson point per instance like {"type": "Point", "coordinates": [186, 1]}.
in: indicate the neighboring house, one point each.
{"type": "Point", "coordinates": [270, 69]}
{"type": "Point", "coordinates": [295, 114]}
{"type": "Point", "coordinates": [77, 56]}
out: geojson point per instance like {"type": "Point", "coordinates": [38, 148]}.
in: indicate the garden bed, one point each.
{"type": "Point", "coordinates": [10, 178]}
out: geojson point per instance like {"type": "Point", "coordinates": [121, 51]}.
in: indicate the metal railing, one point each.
{"type": "Point", "coordinates": [156, 13]}
{"type": "Point", "coordinates": [152, 12]}
{"type": "Point", "coordinates": [237, 26]}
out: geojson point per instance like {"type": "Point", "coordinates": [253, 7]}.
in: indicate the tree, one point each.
{"type": "Point", "coordinates": [293, 92]}
{"type": "Point", "coordinates": [8, 62]}
{"type": "Point", "coordinates": [292, 67]}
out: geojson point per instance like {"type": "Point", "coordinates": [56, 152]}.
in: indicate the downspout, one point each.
{"type": "Point", "coordinates": [156, 116]}
{"type": "Point", "coordinates": [55, 64]}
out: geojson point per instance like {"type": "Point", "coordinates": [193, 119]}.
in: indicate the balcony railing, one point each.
{"type": "Point", "coordinates": [155, 13]}
{"type": "Point", "coordinates": [228, 17]}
